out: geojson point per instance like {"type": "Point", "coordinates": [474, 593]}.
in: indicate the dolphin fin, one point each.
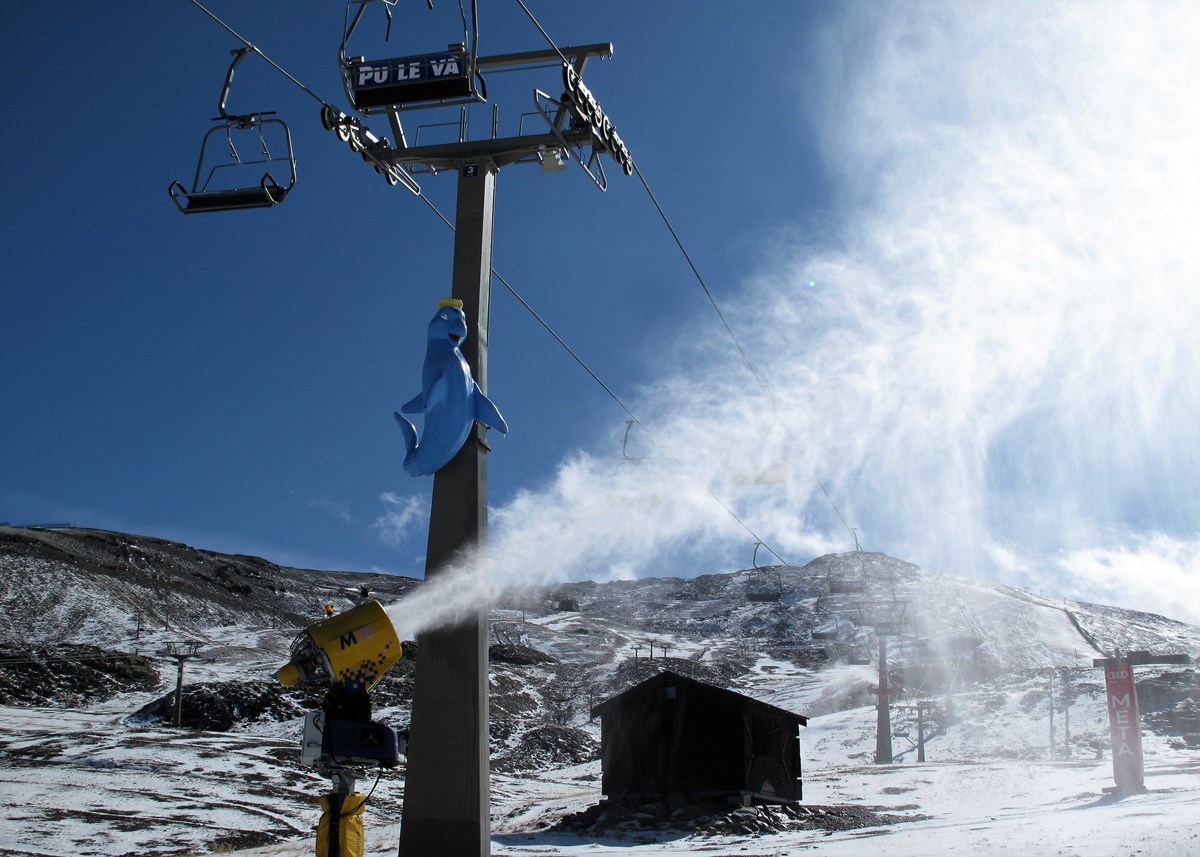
{"type": "Point", "coordinates": [416, 405]}
{"type": "Point", "coordinates": [486, 412]}
{"type": "Point", "coordinates": [410, 434]}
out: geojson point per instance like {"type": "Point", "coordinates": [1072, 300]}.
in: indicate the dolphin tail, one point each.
{"type": "Point", "coordinates": [486, 412]}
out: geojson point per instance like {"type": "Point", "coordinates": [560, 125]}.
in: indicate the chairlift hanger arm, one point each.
{"type": "Point", "coordinates": [625, 456]}
{"type": "Point", "coordinates": [238, 54]}
{"type": "Point", "coordinates": [256, 50]}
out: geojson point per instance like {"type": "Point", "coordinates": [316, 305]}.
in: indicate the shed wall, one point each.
{"type": "Point", "coordinates": [695, 739]}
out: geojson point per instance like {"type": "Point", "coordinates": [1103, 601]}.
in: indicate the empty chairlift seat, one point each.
{"type": "Point", "coordinates": [229, 182]}
{"type": "Point", "coordinates": [233, 183]}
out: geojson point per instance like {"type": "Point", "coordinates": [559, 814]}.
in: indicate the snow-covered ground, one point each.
{"type": "Point", "coordinates": [88, 779]}
{"type": "Point", "coordinates": [90, 782]}
{"type": "Point", "coordinates": [103, 789]}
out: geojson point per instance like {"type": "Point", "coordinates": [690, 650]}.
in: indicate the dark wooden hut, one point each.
{"type": "Point", "coordinates": [674, 735]}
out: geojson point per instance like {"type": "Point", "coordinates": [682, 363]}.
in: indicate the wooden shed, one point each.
{"type": "Point", "coordinates": [674, 735]}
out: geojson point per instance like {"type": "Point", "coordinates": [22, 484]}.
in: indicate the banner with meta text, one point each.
{"type": "Point", "coordinates": [1124, 727]}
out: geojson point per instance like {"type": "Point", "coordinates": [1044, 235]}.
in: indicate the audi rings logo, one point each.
{"type": "Point", "coordinates": [1118, 674]}
{"type": "Point", "coordinates": [588, 111]}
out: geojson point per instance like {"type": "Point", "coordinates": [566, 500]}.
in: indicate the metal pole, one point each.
{"type": "Point", "coordinates": [883, 718]}
{"type": "Point", "coordinates": [446, 795]}
{"type": "Point", "coordinates": [1050, 681]}
{"type": "Point", "coordinates": [179, 659]}
{"type": "Point", "coordinates": [920, 732]}
{"type": "Point", "coordinates": [1066, 715]}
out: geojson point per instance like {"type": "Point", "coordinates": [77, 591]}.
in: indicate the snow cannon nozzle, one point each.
{"type": "Point", "coordinates": [354, 648]}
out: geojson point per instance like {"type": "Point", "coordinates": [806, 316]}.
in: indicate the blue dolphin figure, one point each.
{"type": "Point", "coordinates": [449, 397]}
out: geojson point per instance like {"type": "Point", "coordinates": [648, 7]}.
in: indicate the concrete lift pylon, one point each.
{"type": "Point", "coordinates": [886, 618]}
{"type": "Point", "coordinates": [447, 798]}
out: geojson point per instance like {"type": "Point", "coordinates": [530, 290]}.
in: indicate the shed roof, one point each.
{"type": "Point", "coordinates": [667, 677]}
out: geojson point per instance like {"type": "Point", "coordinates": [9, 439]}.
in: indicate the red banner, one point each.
{"type": "Point", "coordinates": [1124, 728]}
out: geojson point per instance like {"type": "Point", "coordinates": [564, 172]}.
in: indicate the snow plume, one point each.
{"type": "Point", "coordinates": [991, 352]}
{"type": "Point", "coordinates": [1000, 347]}
{"type": "Point", "coordinates": [1003, 350]}
{"type": "Point", "coordinates": [598, 519]}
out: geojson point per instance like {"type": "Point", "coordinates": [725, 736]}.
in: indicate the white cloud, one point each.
{"type": "Point", "coordinates": [400, 515]}
{"type": "Point", "coordinates": [337, 509]}
{"type": "Point", "coordinates": [1156, 573]}
{"type": "Point", "coordinates": [1152, 572]}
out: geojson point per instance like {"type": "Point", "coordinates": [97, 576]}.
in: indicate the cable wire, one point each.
{"type": "Point", "coordinates": [540, 320]}
{"type": "Point", "coordinates": [542, 30]}
{"type": "Point", "coordinates": [258, 51]}
{"type": "Point", "coordinates": [699, 279]}
{"type": "Point", "coordinates": [675, 235]}
{"type": "Point", "coordinates": [514, 292]}
{"type": "Point", "coordinates": [853, 534]}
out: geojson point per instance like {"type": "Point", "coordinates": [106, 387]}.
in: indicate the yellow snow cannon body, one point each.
{"type": "Point", "coordinates": [355, 648]}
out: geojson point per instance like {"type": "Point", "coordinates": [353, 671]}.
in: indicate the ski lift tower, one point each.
{"type": "Point", "coordinates": [181, 653]}
{"type": "Point", "coordinates": [447, 794]}
{"type": "Point", "coordinates": [886, 618]}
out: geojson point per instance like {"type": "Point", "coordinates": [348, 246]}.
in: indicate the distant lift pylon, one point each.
{"type": "Point", "coordinates": [234, 183]}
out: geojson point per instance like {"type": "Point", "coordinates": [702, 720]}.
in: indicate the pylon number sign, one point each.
{"type": "Point", "coordinates": [1124, 726]}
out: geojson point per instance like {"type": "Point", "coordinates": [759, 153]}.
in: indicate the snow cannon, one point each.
{"type": "Point", "coordinates": [348, 653]}
{"type": "Point", "coordinates": [354, 649]}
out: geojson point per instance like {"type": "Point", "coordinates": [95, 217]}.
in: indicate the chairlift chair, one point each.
{"type": "Point", "coordinates": [754, 593]}
{"type": "Point", "coordinates": [409, 82]}
{"type": "Point", "coordinates": [224, 185]}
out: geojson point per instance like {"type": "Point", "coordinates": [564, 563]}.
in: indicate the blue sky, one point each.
{"type": "Point", "coordinates": [949, 236]}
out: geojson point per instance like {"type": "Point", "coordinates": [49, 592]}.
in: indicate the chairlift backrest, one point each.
{"type": "Point", "coordinates": [235, 183]}
{"type": "Point", "coordinates": [421, 80]}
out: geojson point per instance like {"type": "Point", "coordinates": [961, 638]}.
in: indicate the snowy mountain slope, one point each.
{"type": "Point", "coordinates": [997, 663]}
{"type": "Point", "coordinates": [95, 586]}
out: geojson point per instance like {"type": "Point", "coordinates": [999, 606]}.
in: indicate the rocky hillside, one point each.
{"type": "Point", "coordinates": [805, 638]}
{"type": "Point", "coordinates": [90, 620]}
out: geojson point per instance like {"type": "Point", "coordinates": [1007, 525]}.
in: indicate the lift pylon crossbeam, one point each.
{"type": "Point", "coordinates": [501, 151]}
